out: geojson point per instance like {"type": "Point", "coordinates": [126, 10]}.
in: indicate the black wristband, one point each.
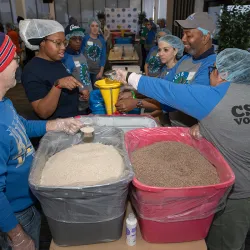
{"type": "Point", "coordinates": [128, 74]}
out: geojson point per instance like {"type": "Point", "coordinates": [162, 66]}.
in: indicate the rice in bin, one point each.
{"type": "Point", "coordinates": [84, 164]}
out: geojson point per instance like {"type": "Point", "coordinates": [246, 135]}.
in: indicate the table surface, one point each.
{"type": "Point", "coordinates": [116, 55]}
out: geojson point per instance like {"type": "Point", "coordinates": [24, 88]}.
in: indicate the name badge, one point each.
{"type": "Point", "coordinates": [77, 64]}
{"type": "Point", "coordinates": [190, 76]}
{"type": "Point", "coordinates": [90, 43]}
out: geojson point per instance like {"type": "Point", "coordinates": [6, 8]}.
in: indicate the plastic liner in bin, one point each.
{"type": "Point", "coordinates": [178, 214]}
{"type": "Point", "coordinates": [82, 214]}
{"type": "Point", "coordinates": [125, 122]}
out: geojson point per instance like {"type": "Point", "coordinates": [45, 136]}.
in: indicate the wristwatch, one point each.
{"type": "Point", "coordinates": [139, 104]}
{"type": "Point", "coordinates": [56, 84]}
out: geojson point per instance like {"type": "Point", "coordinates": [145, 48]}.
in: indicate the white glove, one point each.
{"type": "Point", "coordinates": [68, 125]}
{"type": "Point", "coordinates": [195, 132]}
{"type": "Point", "coordinates": [120, 76]}
{"type": "Point", "coordinates": [22, 241]}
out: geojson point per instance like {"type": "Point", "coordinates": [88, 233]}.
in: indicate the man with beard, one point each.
{"type": "Point", "coordinates": [192, 68]}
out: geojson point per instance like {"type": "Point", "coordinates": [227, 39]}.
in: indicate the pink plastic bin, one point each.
{"type": "Point", "coordinates": [177, 214]}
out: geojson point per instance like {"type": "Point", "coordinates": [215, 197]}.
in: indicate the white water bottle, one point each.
{"type": "Point", "coordinates": [131, 223]}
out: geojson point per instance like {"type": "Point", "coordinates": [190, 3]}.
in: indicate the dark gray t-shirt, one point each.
{"type": "Point", "coordinates": [228, 128]}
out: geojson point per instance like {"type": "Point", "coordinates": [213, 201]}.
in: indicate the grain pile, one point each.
{"type": "Point", "coordinates": [84, 164]}
{"type": "Point", "coordinates": [172, 164]}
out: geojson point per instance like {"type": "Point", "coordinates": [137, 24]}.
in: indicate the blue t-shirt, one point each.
{"type": "Point", "coordinates": [192, 71]}
{"type": "Point", "coordinates": [15, 161]}
{"type": "Point", "coordinates": [95, 52]}
{"type": "Point", "coordinates": [150, 37]}
{"type": "Point", "coordinates": [38, 78]}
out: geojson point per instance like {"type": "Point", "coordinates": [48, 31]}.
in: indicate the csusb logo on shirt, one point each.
{"type": "Point", "coordinates": [241, 114]}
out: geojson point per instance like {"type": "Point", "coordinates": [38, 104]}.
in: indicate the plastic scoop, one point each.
{"type": "Point", "coordinates": [110, 74]}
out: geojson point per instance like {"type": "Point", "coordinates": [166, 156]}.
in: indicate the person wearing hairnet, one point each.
{"type": "Point", "coordinates": [76, 64]}
{"type": "Point", "coordinates": [19, 219]}
{"type": "Point", "coordinates": [153, 63]}
{"type": "Point", "coordinates": [94, 49]}
{"type": "Point", "coordinates": [51, 89]}
{"type": "Point", "coordinates": [223, 112]}
{"type": "Point", "coordinates": [170, 49]}
{"type": "Point", "coordinates": [193, 67]}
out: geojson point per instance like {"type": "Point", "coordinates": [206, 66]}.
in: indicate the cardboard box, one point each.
{"type": "Point", "coordinates": [140, 244]}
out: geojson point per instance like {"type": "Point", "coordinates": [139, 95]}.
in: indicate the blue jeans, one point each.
{"type": "Point", "coordinates": [30, 220]}
{"type": "Point", "coordinates": [93, 80]}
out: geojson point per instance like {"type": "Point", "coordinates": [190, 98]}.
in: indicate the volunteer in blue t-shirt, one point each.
{"type": "Point", "coordinates": [94, 49]}
{"type": "Point", "coordinates": [76, 64]}
{"type": "Point", "coordinates": [19, 220]}
{"type": "Point", "coordinates": [170, 49]}
{"type": "Point", "coordinates": [193, 67]}
{"type": "Point", "coordinates": [51, 89]}
{"type": "Point", "coordinates": [153, 63]}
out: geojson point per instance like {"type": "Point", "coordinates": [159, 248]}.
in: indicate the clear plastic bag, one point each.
{"type": "Point", "coordinates": [179, 204]}
{"type": "Point", "coordinates": [81, 204]}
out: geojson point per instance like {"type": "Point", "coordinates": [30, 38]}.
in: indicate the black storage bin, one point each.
{"type": "Point", "coordinates": [83, 214]}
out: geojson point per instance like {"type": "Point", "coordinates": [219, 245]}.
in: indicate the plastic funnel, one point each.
{"type": "Point", "coordinates": [110, 91]}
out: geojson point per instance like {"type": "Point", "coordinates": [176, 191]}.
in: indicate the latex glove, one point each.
{"type": "Point", "coordinates": [68, 82]}
{"type": "Point", "coordinates": [22, 241]}
{"type": "Point", "coordinates": [125, 95]}
{"type": "Point", "coordinates": [126, 105]}
{"type": "Point", "coordinates": [84, 95]}
{"type": "Point", "coordinates": [195, 132]}
{"type": "Point", "coordinates": [120, 76]}
{"type": "Point", "coordinates": [68, 125]}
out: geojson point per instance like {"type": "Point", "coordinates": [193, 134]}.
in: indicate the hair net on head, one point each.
{"type": "Point", "coordinates": [33, 31]}
{"type": "Point", "coordinates": [93, 19]}
{"type": "Point", "coordinates": [234, 65]}
{"type": "Point", "coordinates": [175, 42]}
{"type": "Point", "coordinates": [168, 32]}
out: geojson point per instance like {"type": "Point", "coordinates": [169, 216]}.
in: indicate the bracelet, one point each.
{"type": "Point", "coordinates": [56, 84]}
{"type": "Point", "coordinates": [58, 87]}
{"type": "Point", "coordinates": [128, 74]}
{"type": "Point", "coordinates": [133, 94]}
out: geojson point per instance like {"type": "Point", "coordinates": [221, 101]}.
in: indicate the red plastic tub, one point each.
{"type": "Point", "coordinates": [177, 214]}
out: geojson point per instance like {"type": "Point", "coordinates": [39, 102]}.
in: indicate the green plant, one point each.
{"type": "Point", "coordinates": [234, 26]}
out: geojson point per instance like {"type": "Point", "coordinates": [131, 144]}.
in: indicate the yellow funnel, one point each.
{"type": "Point", "coordinates": [110, 91]}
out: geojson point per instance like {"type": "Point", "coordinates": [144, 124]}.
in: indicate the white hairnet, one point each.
{"type": "Point", "coordinates": [234, 65]}
{"type": "Point", "coordinates": [175, 42]}
{"type": "Point", "coordinates": [33, 31]}
{"type": "Point", "coordinates": [93, 19]}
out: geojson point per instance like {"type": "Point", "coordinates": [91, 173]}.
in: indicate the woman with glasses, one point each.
{"type": "Point", "coordinates": [51, 89]}
{"type": "Point", "coordinates": [76, 63]}
{"type": "Point", "coordinates": [94, 49]}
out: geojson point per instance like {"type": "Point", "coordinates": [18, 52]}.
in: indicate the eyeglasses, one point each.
{"type": "Point", "coordinates": [58, 44]}
{"type": "Point", "coordinates": [17, 58]}
{"type": "Point", "coordinates": [76, 38]}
